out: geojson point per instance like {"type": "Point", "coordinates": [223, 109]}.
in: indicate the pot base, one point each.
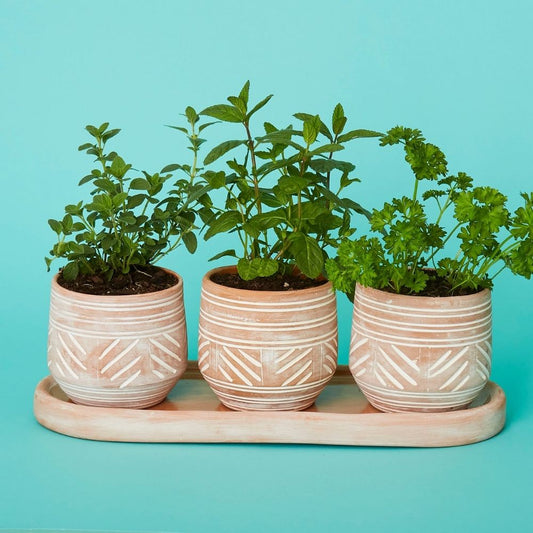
{"type": "Point", "coordinates": [133, 398]}
{"type": "Point", "coordinates": [267, 398]}
{"type": "Point", "coordinates": [412, 402]}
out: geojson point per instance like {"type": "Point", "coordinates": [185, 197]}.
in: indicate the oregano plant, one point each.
{"type": "Point", "coordinates": [284, 189]}
{"type": "Point", "coordinates": [405, 252]}
{"type": "Point", "coordinates": [132, 219]}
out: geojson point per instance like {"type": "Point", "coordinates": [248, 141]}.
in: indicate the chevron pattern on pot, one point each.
{"type": "Point", "coordinates": [117, 351]}
{"type": "Point", "coordinates": [416, 353]}
{"type": "Point", "coordinates": [263, 352]}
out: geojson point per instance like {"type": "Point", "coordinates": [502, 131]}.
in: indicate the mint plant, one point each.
{"type": "Point", "coordinates": [406, 245]}
{"type": "Point", "coordinates": [129, 221]}
{"type": "Point", "coordinates": [283, 190]}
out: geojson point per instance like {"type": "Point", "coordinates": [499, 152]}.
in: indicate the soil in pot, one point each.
{"type": "Point", "coordinates": [277, 282]}
{"type": "Point", "coordinates": [139, 280]}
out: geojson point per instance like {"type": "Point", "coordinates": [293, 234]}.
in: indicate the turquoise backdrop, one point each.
{"type": "Point", "coordinates": [460, 71]}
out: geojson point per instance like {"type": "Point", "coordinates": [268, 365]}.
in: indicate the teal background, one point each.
{"type": "Point", "coordinates": [460, 71]}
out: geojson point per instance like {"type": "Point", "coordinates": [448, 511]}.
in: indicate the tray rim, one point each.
{"type": "Point", "coordinates": [452, 428]}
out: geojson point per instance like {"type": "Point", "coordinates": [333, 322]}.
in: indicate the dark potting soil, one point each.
{"type": "Point", "coordinates": [277, 282]}
{"type": "Point", "coordinates": [140, 280]}
{"type": "Point", "coordinates": [436, 287]}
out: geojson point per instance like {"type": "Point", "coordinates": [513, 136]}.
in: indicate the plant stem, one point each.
{"type": "Point", "coordinates": [251, 150]}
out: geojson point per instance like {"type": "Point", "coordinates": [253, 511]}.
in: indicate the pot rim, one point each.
{"type": "Point", "coordinates": [122, 297]}
{"type": "Point", "coordinates": [206, 281]}
{"type": "Point", "coordinates": [416, 297]}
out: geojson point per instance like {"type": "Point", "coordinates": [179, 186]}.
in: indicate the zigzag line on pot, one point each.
{"type": "Point", "coordinates": [165, 350]}
{"type": "Point", "coordinates": [456, 374]}
{"type": "Point", "coordinates": [159, 361]}
{"type": "Point", "coordinates": [281, 345]}
{"type": "Point", "coordinates": [453, 360]}
{"type": "Point", "coordinates": [396, 367]}
{"type": "Point", "coordinates": [67, 367]}
{"type": "Point", "coordinates": [118, 357]}
{"type": "Point", "coordinates": [298, 374]}
{"type": "Point", "coordinates": [69, 352]}
{"type": "Point", "coordinates": [358, 329]}
{"type": "Point", "coordinates": [137, 334]}
{"type": "Point", "coordinates": [285, 326]}
{"type": "Point", "coordinates": [124, 369]}
{"type": "Point", "coordinates": [234, 369]}
{"type": "Point", "coordinates": [130, 380]}
{"type": "Point", "coordinates": [241, 364]}
{"type": "Point", "coordinates": [418, 311]}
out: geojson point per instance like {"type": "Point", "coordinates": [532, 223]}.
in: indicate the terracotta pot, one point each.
{"type": "Point", "coordinates": [417, 353]}
{"type": "Point", "coordinates": [117, 351]}
{"type": "Point", "coordinates": [267, 350]}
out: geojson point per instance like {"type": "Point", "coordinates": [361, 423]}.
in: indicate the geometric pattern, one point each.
{"type": "Point", "coordinates": [406, 354]}
{"type": "Point", "coordinates": [264, 355]}
{"type": "Point", "coordinates": [125, 351]}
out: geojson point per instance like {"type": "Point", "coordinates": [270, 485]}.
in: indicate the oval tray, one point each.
{"type": "Point", "coordinates": [341, 416]}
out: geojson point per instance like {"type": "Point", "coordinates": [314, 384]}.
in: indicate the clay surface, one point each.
{"type": "Point", "coordinates": [123, 351]}
{"type": "Point", "coordinates": [267, 350]}
{"type": "Point", "coordinates": [418, 353]}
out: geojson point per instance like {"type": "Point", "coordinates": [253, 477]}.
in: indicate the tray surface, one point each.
{"type": "Point", "coordinates": [341, 415]}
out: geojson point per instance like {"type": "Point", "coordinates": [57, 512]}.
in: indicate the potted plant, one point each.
{"type": "Point", "coordinates": [117, 333]}
{"type": "Point", "coordinates": [268, 325]}
{"type": "Point", "coordinates": [421, 336]}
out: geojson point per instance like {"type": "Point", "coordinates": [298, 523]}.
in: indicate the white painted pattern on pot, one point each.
{"type": "Point", "coordinates": [411, 353]}
{"type": "Point", "coordinates": [121, 351]}
{"type": "Point", "coordinates": [265, 350]}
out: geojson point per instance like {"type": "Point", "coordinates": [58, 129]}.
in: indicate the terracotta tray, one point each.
{"type": "Point", "coordinates": [341, 415]}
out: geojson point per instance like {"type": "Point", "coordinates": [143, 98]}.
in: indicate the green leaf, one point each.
{"type": "Point", "coordinates": [55, 225]}
{"type": "Point", "coordinates": [225, 253]}
{"type": "Point", "coordinates": [119, 167]}
{"type": "Point", "coordinates": [245, 91]}
{"type": "Point", "coordinates": [191, 115]}
{"type": "Point", "coordinates": [327, 165]}
{"type": "Point", "coordinates": [327, 148]}
{"type": "Point", "coordinates": [357, 134]}
{"type": "Point", "coordinates": [109, 134]}
{"type": "Point", "coordinates": [292, 184]}
{"type": "Point", "coordinates": [224, 222]}
{"type": "Point", "coordinates": [220, 150]}
{"type": "Point", "coordinates": [338, 120]}
{"type": "Point", "coordinates": [179, 128]}
{"type": "Point", "coordinates": [258, 106]}
{"type": "Point", "coordinates": [206, 125]}
{"type": "Point", "coordinates": [140, 184]}
{"type": "Point", "coordinates": [324, 130]}
{"type": "Point", "coordinates": [70, 271]}
{"type": "Point", "coordinates": [190, 241]}
{"type": "Point", "coordinates": [224, 112]}
{"type": "Point", "coordinates": [93, 130]}
{"type": "Point", "coordinates": [216, 180]}
{"type": "Point", "coordinates": [307, 253]}
{"type": "Point", "coordinates": [238, 103]}
{"type": "Point", "coordinates": [170, 168]}
{"type": "Point", "coordinates": [118, 199]}
{"type": "Point", "coordinates": [258, 267]}
{"type": "Point", "coordinates": [270, 219]}
{"type": "Point", "coordinates": [85, 146]}
{"type": "Point", "coordinates": [311, 129]}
